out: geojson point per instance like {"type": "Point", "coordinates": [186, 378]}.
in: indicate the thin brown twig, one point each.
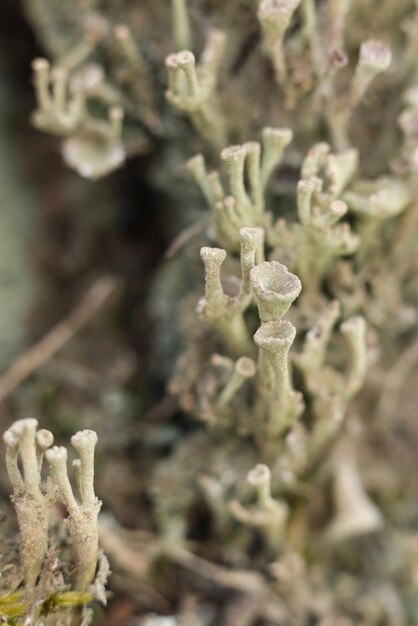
{"type": "Point", "coordinates": [185, 236]}
{"type": "Point", "coordinates": [42, 351]}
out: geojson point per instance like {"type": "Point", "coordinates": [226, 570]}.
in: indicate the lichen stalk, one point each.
{"type": "Point", "coordinates": [82, 516]}
{"type": "Point", "coordinates": [31, 503]}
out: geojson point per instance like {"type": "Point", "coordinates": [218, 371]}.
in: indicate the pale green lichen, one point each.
{"type": "Point", "coordinates": [330, 243]}
{"type": "Point", "coordinates": [82, 517]}
{"type": "Point", "coordinates": [32, 505]}
{"type": "Point", "coordinates": [241, 207]}
{"type": "Point", "coordinates": [192, 88]}
{"type": "Point", "coordinates": [26, 448]}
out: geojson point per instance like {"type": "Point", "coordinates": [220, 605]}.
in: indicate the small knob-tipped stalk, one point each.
{"type": "Point", "coordinates": [82, 517]}
{"type": "Point", "coordinates": [274, 17]}
{"type": "Point", "coordinates": [222, 362]}
{"type": "Point", "coordinates": [275, 288]}
{"type": "Point", "coordinates": [127, 47]}
{"type": "Point", "coordinates": [41, 71]}
{"type": "Point", "coordinates": [186, 62]}
{"type": "Point", "coordinates": [224, 311]}
{"type": "Point", "coordinates": [234, 159]}
{"type": "Point", "coordinates": [260, 478]}
{"type": "Point", "coordinates": [375, 58]}
{"type": "Point", "coordinates": [252, 246]}
{"type": "Point", "coordinates": [192, 88]}
{"type": "Point", "coordinates": [275, 141]}
{"type": "Point", "coordinates": [197, 168]}
{"type": "Point", "coordinates": [137, 71]}
{"type": "Point", "coordinates": [248, 168]}
{"type": "Point", "coordinates": [268, 514]}
{"type": "Point", "coordinates": [354, 331]}
{"type": "Point", "coordinates": [31, 504]}
{"type": "Point", "coordinates": [44, 440]}
{"type": "Point", "coordinates": [244, 369]}
{"type": "Point", "coordinates": [56, 111]}
{"type": "Point", "coordinates": [322, 236]}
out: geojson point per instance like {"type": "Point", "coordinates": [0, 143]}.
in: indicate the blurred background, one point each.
{"type": "Point", "coordinates": [71, 246]}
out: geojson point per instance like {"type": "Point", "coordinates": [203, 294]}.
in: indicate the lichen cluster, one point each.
{"type": "Point", "coordinates": [41, 584]}
{"type": "Point", "coordinates": [304, 297]}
